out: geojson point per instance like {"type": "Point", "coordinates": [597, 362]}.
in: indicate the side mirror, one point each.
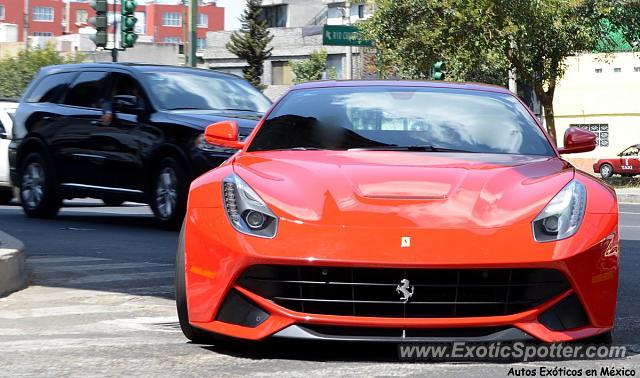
{"type": "Point", "coordinates": [223, 133]}
{"type": "Point", "coordinates": [578, 140]}
{"type": "Point", "coordinates": [126, 103]}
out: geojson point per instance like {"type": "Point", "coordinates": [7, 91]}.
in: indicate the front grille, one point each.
{"type": "Point", "coordinates": [437, 293]}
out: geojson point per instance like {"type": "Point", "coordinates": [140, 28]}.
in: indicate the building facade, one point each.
{"type": "Point", "coordinates": [296, 26]}
{"type": "Point", "coordinates": [599, 92]}
{"type": "Point", "coordinates": [45, 17]}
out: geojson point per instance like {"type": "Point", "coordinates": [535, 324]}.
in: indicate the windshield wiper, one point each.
{"type": "Point", "coordinates": [241, 110]}
{"type": "Point", "coordinates": [187, 108]}
{"type": "Point", "coordinates": [418, 148]}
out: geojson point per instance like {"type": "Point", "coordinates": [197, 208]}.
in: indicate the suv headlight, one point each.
{"type": "Point", "coordinates": [562, 217]}
{"type": "Point", "coordinates": [246, 211]}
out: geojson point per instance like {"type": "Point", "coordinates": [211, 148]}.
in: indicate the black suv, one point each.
{"type": "Point", "coordinates": [123, 132]}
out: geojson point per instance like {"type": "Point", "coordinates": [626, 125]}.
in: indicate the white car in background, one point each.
{"type": "Point", "coordinates": [7, 108]}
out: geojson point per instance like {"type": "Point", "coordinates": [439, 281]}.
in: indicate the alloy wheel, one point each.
{"type": "Point", "coordinates": [32, 189]}
{"type": "Point", "coordinates": [166, 193]}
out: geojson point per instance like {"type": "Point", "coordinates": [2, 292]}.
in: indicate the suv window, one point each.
{"type": "Point", "coordinates": [50, 87]}
{"type": "Point", "coordinates": [123, 84]}
{"type": "Point", "coordinates": [87, 90]}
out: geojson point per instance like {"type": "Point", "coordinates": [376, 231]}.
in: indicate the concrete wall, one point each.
{"type": "Point", "coordinates": [605, 100]}
{"type": "Point", "coordinates": [141, 53]}
{"type": "Point", "coordinates": [8, 49]}
{"type": "Point", "coordinates": [288, 44]}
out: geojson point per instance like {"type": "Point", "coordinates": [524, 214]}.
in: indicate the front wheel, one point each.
{"type": "Point", "coordinates": [38, 190]}
{"type": "Point", "coordinates": [196, 335]}
{"type": "Point", "coordinates": [169, 192]}
{"type": "Point", "coordinates": [606, 170]}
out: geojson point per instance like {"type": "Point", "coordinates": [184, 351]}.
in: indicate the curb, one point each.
{"type": "Point", "coordinates": [629, 198]}
{"type": "Point", "coordinates": [13, 276]}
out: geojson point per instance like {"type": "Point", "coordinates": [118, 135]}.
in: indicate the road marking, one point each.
{"type": "Point", "coordinates": [627, 212]}
{"type": "Point", "coordinates": [629, 226]}
{"type": "Point", "coordinates": [82, 268]}
{"type": "Point", "coordinates": [49, 260]}
{"type": "Point", "coordinates": [40, 344]}
{"type": "Point", "coordinates": [102, 278]}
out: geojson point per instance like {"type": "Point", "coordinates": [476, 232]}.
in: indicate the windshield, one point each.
{"type": "Point", "coordinates": [175, 90]}
{"type": "Point", "coordinates": [401, 118]}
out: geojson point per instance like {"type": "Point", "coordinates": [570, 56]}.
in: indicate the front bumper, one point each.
{"type": "Point", "coordinates": [217, 256]}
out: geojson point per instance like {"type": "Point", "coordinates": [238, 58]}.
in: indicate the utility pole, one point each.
{"type": "Point", "coordinates": [27, 14]}
{"type": "Point", "coordinates": [513, 85]}
{"type": "Point", "coordinates": [193, 35]}
{"type": "Point", "coordinates": [349, 66]}
{"type": "Point", "coordinates": [114, 50]}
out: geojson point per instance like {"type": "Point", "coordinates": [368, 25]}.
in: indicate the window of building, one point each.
{"type": "Point", "coordinates": [172, 19]}
{"type": "Point", "coordinates": [598, 70]}
{"type": "Point", "coordinates": [276, 16]}
{"type": "Point", "coordinates": [42, 14]}
{"type": "Point", "coordinates": [281, 73]}
{"type": "Point", "coordinates": [636, 69]}
{"type": "Point", "coordinates": [617, 70]}
{"type": "Point", "coordinates": [87, 90]}
{"type": "Point", "coordinates": [1, 12]}
{"type": "Point", "coordinates": [82, 15]}
{"type": "Point", "coordinates": [203, 20]}
{"type": "Point", "coordinates": [42, 34]}
{"type": "Point", "coordinates": [600, 129]}
{"type": "Point", "coordinates": [202, 44]}
{"type": "Point", "coordinates": [174, 40]}
{"type": "Point", "coordinates": [361, 11]}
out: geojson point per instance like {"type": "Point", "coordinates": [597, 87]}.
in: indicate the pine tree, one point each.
{"type": "Point", "coordinates": [250, 43]}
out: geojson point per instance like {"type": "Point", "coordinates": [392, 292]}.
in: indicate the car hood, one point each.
{"type": "Point", "coordinates": [403, 189]}
{"type": "Point", "coordinates": [246, 120]}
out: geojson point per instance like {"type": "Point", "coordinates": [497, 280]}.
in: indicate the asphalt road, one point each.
{"type": "Point", "coordinates": [101, 304]}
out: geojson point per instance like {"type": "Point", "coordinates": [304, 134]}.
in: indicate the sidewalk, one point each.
{"type": "Point", "coordinates": [13, 276]}
{"type": "Point", "coordinates": [628, 195]}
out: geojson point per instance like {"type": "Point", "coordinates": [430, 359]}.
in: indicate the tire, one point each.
{"type": "Point", "coordinates": [6, 196]}
{"type": "Point", "coordinates": [168, 193]}
{"type": "Point", "coordinates": [196, 335]}
{"type": "Point", "coordinates": [38, 189]}
{"type": "Point", "coordinates": [112, 202]}
{"type": "Point", "coordinates": [606, 170]}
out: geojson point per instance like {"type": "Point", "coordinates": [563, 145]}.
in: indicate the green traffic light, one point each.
{"type": "Point", "coordinates": [129, 23]}
{"type": "Point", "coordinates": [128, 7]}
{"type": "Point", "coordinates": [438, 69]}
{"type": "Point", "coordinates": [128, 40]}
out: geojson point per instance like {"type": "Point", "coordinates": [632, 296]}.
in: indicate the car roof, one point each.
{"type": "Point", "coordinates": [142, 67]}
{"type": "Point", "coordinates": [401, 83]}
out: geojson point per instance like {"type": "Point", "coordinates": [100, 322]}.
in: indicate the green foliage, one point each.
{"type": "Point", "coordinates": [17, 72]}
{"type": "Point", "coordinates": [481, 39]}
{"type": "Point", "coordinates": [251, 42]}
{"type": "Point", "coordinates": [312, 68]}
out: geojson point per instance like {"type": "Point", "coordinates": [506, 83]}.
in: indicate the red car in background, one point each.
{"type": "Point", "coordinates": [627, 163]}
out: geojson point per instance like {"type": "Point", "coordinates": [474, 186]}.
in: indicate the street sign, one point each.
{"type": "Point", "coordinates": [343, 35]}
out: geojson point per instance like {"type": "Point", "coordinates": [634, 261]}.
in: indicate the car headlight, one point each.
{"type": "Point", "coordinates": [562, 217]}
{"type": "Point", "coordinates": [246, 211]}
{"type": "Point", "coordinates": [202, 144]}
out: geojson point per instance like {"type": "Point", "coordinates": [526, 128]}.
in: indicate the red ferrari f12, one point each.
{"type": "Point", "coordinates": [398, 211]}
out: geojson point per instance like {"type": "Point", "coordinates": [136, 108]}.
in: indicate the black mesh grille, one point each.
{"type": "Point", "coordinates": [447, 293]}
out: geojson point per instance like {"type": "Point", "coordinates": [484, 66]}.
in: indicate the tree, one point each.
{"type": "Point", "coordinates": [312, 68]}
{"type": "Point", "coordinates": [251, 42]}
{"type": "Point", "coordinates": [481, 39]}
{"type": "Point", "coordinates": [17, 72]}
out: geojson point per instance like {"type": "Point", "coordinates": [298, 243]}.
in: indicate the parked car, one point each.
{"type": "Point", "coordinates": [7, 108]}
{"type": "Point", "coordinates": [398, 211]}
{"type": "Point", "coordinates": [123, 132]}
{"type": "Point", "coordinates": [627, 163]}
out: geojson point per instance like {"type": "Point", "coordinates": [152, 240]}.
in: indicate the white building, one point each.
{"type": "Point", "coordinates": [600, 92]}
{"type": "Point", "coordinates": [297, 29]}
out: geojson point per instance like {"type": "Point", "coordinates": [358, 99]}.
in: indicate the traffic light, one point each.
{"type": "Point", "coordinates": [128, 24]}
{"type": "Point", "coordinates": [99, 22]}
{"type": "Point", "coordinates": [438, 71]}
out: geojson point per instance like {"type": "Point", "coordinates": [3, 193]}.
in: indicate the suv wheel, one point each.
{"type": "Point", "coordinates": [169, 193]}
{"type": "Point", "coordinates": [37, 188]}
